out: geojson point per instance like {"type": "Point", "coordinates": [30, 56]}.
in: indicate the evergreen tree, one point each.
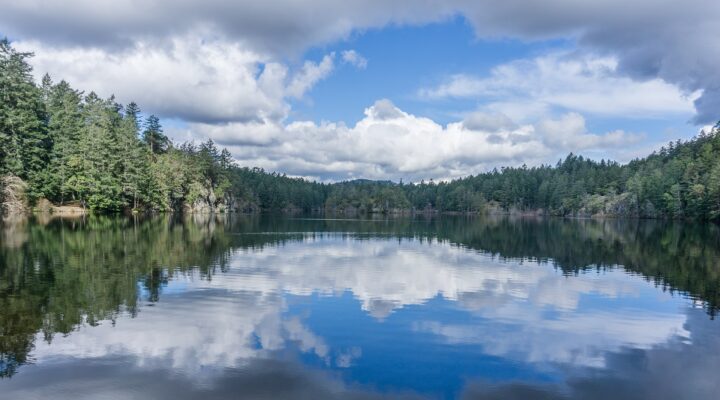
{"type": "Point", "coordinates": [24, 144]}
{"type": "Point", "coordinates": [133, 166]}
{"type": "Point", "coordinates": [65, 124]}
{"type": "Point", "coordinates": [101, 187]}
{"type": "Point", "coordinates": [154, 137]}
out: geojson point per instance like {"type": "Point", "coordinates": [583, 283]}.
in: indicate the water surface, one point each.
{"type": "Point", "coordinates": [270, 307]}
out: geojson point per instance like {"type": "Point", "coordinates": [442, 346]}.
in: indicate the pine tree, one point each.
{"type": "Point", "coordinates": [97, 181]}
{"type": "Point", "coordinates": [24, 143]}
{"type": "Point", "coordinates": [65, 124]}
{"type": "Point", "coordinates": [154, 137]}
{"type": "Point", "coordinates": [133, 165]}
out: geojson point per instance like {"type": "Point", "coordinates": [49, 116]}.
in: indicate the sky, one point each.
{"type": "Point", "coordinates": [392, 89]}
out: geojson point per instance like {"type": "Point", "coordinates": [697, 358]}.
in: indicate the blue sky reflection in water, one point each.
{"type": "Point", "coordinates": [343, 314]}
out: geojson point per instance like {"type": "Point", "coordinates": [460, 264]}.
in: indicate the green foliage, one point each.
{"type": "Point", "coordinates": [367, 196]}
{"type": "Point", "coordinates": [154, 137]}
{"type": "Point", "coordinates": [24, 142]}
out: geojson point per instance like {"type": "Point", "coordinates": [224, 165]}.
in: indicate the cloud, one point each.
{"type": "Point", "coordinates": [244, 311]}
{"type": "Point", "coordinates": [569, 132]}
{"type": "Point", "coordinates": [491, 122]}
{"type": "Point", "coordinates": [186, 78]}
{"type": "Point", "coordinates": [278, 27]}
{"type": "Point", "coordinates": [630, 373]}
{"type": "Point", "coordinates": [384, 110]}
{"type": "Point", "coordinates": [354, 58]}
{"type": "Point", "coordinates": [650, 39]}
{"type": "Point", "coordinates": [564, 81]}
{"type": "Point", "coordinates": [389, 143]}
{"type": "Point", "coordinates": [310, 74]}
{"type": "Point", "coordinates": [117, 378]}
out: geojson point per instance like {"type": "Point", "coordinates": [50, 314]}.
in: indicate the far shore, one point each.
{"type": "Point", "coordinates": [75, 211]}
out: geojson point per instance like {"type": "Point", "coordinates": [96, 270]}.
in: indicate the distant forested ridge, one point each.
{"type": "Point", "coordinates": [63, 146]}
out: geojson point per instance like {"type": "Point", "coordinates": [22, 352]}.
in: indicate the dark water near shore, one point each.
{"type": "Point", "coordinates": [271, 308]}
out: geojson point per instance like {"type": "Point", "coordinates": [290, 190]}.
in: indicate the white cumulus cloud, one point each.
{"type": "Point", "coordinates": [581, 83]}
{"type": "Point", "coordinates": [389, 143]}
{"type": "Point", "coordinates": [211, 81]}
{"type": "Point", "coordinates": [352, 57]}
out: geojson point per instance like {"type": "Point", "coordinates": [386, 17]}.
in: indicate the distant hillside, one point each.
{"type": "Point", "coordinates": [366, 182]}
{"type": "Point", "coordinates": [682, 180]}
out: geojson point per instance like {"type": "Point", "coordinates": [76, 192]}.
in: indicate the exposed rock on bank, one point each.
{"type": "Point", "coordinates": [208, 202]}
{"type": "Point", "coordinates": [13, 196]}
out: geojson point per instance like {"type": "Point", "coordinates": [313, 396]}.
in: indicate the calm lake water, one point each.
{"type": "Point", "coordinates": [270, 308]}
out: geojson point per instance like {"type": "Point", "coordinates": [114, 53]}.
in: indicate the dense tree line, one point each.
{"type": "Point", "coordinates": [367, 196]}
{"type": "Point", "coordinates": [72, 147]}
{"type": "Point", "coordinates": [682, 180]}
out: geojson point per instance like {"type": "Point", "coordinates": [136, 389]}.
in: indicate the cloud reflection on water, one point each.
{"type": "Point", "coordinates": [527, 312]}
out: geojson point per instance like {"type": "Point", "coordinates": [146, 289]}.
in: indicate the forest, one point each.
{"type": "Point", "coordinates": [61, 146]}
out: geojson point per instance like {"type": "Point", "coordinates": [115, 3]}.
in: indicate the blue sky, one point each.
{"type": "Point", "coordinates": [402, 60]}
{"type": "Point", "coordinates": [392, 90]}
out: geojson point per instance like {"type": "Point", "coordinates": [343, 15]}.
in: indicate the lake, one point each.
{"type": "Point", "coordinates": [266, 307]}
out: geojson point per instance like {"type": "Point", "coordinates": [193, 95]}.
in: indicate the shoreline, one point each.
{"type": "Point", "coordinates": [77, 212]}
